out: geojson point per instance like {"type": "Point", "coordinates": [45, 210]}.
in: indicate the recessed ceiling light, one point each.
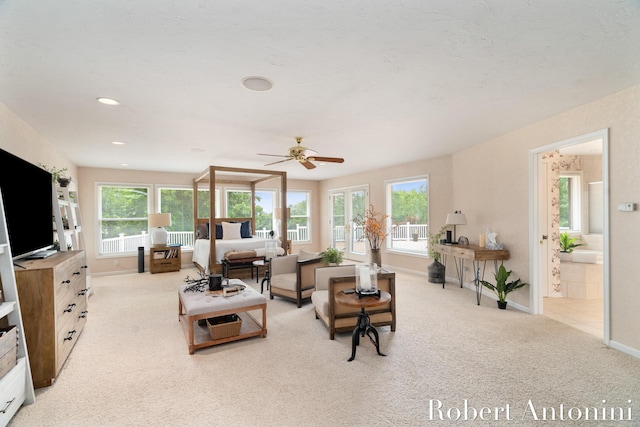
{"type": "Point", "coordinates": [124, 165]}
{"type": "Point", "coordinates": [108, 101]}
{"type": "Point", "coordinates": [117, 142]}
{"type": "Point", "coordinates": [258, 84]}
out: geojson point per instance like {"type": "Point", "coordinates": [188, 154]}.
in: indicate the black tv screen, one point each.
{"type": "Point", "coordinates": [26, 192]}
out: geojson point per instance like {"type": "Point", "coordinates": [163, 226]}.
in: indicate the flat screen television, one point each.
{"type": "Point", "coordinates": [26, 192]}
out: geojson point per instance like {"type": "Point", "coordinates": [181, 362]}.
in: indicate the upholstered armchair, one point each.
{"type": "Point", "coordinates": [339, 318]}
{"type": "Point", "coordinates": [292, 277]}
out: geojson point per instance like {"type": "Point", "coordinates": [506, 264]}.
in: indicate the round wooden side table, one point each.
{"type": "Point", "coordinates": [364, 326]}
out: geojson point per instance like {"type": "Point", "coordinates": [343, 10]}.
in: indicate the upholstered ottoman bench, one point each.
{"type": "Point", "coordinates": [194, 306]}
{"type": "Point", "coordinates": [236, 260]}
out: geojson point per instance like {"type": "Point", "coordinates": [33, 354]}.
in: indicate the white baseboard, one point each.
{"type": "Point", "coordinates": [625, 349]}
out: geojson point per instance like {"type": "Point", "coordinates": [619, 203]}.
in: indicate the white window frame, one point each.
{"type": "Point", "coordinates": [308, 215]}
{"type": "Point", "coordinates": [575, 201]}
{"type": "Point", "coordinates": [421, 247]}
{"type": "Point", "coordinates": [144, 237]}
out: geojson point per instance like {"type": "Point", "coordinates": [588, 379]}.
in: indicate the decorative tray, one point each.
{"type": "Point", "coordinates": [226, 291]}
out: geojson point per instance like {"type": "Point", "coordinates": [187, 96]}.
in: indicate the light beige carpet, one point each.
{"type": "Point", "coordinates": [131, 366]}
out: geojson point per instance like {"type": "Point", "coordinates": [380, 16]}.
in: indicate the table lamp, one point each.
{"type": "Point", "coordinates": [456, 218]}
{"type": "Point", "coordinates": [159, 235]}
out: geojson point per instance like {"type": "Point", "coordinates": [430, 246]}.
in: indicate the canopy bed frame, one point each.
{"type": "Point", "coordinates": [235, 176]}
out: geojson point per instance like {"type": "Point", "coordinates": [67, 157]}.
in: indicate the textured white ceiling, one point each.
{"type": "Point", "coordinates": [376, 82]}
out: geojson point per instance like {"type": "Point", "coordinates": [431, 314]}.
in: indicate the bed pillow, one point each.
{"type": "Point", "coordinates": [218, 231]}
{"type": "Point", "coordinates": [202, 231]}
{"type": "Point", "coordinates": [245, 230]}
{"type": "Point", "coordinates": [231, 230]}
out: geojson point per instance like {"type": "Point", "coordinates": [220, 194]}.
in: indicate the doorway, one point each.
{"type": "Point", "coordinates": [345, 205]}
{"type": "Point", "coordinates": [569, 193]}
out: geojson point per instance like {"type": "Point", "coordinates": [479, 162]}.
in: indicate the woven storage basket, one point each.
{"type": "Point", "coordinates": [224, 326]}
{"type": "Point", "coordinates": [8, 349]}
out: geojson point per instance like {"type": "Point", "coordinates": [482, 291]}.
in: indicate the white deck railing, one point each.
{"type": "Point", "coordinates": [402, 232]}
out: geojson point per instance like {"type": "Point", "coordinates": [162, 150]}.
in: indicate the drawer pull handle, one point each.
{"type": "Point", "coordinates": [70, 308]}
{"type": "Point", "coordinates": [76, 272]}
{"type": "Point", "coordinates": [70, 335]}
{"type": "Point", "coordinates": [83, 292]}
{"type": "Point", "coordinates": [85, 266]}
{"type": "Point", "coordinates": [6, 407]}
{"type": "Point", "coordinates": [83, 314]}
{"type": "Point", "coordinates": [66, 281]}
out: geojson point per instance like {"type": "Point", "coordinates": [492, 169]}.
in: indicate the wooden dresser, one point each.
{"type": "Point", "coordinates": [53, 299]}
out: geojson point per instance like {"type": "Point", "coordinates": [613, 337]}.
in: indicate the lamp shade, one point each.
{"type": "Point", "coordinates": [456, 218]}
{"type": "Point", "coordinates": [159, 220]}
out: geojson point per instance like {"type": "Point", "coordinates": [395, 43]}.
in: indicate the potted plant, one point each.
{"type": "Point", "coordinates": [567, 243]}
{"type": "Point", "coordinates": [502, 288]}
{"type": "Point", "coordinates": [331, 256]}
{"type": "Point", "coordinates": [374, 229]}
{"type": "Point", "coordinates": [57, 175]}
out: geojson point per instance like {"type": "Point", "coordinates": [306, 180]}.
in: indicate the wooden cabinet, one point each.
{"type": "Point", "coordinates": [53, 299]}
{"type": "Point", "coordinates": [164, 258]}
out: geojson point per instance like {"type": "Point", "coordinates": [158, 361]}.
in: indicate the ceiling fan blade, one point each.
{"type": "Point", "coordinates": [327, 159]}
{"type": "Point", "coordinates": [273, 155]}
{"type": "Point", "coordinates": [279, 161]}
{"type": "Point", "coordinates": [307, 164]}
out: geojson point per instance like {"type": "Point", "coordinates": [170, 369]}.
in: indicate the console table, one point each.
{"type": "Point", "coordinates": [474, 253]}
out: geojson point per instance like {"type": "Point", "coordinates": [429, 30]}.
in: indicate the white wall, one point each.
{"type": "Point", "coordinates": [496, 194]}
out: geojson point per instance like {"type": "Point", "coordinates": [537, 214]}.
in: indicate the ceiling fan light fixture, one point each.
{"type": "Point", "coordinates": [107, 101]}
{"type": "Point", "coordinates": [257, 84]}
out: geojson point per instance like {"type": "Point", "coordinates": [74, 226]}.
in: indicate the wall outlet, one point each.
{"type": "Point", "coordinates": [627, 207]}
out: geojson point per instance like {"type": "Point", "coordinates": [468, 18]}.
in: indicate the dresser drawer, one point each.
{"type": "Point", "coordinates": [73, 302]}
{"type": "Point", "coordinates": [12, 391]}
{"type": "Point", "coordinates": [69, 274]}
{"type": "Point", "coordinates": [68, 334]}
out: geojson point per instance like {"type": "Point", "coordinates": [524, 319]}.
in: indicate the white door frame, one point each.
{"type": "Point", "coordinates": [535, 231]}
{"type": "Point", "coordinates": [348, 191]}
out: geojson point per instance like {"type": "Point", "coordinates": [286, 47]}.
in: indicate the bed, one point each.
{"type": "Point", "coordinates": [208, 251]}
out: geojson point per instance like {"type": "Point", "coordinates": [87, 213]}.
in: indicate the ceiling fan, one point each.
{"type": "Point", "coordinates": [303, 155]}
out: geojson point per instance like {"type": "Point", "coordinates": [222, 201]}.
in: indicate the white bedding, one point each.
{"type": "Point", "coordinates": [202, 247]}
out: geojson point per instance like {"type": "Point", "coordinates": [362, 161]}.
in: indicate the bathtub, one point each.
{"type": "Point", "coordinates": [586, 256]}
{"type": "Point", "coordinates": [581, 278]}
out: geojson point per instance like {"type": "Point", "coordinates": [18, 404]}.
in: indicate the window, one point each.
{"type": "Point", "coordinates": [407, 207]}
{"type": "Point", "coordinates": [569, 201]}
{"type": "Point", "coordinates": [179, 203]}
{"type": "Point", "coordinates": [238, 203]}
{"type": "Point", "coordinates": [239, 206]}
{"type": "Point", "coordinates": [298, 224]}
{"type": "Point", "coordinates": [122, 218]}
{"type": "Point", "coordinates": [203, 204]}
{"type": "Point", "coordinates": [264, 213]}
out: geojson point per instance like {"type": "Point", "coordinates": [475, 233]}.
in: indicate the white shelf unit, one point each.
{"type": "Point", "coordinates": [67, 217]}
{"type": "Point", "coordinates": [16, 386]}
